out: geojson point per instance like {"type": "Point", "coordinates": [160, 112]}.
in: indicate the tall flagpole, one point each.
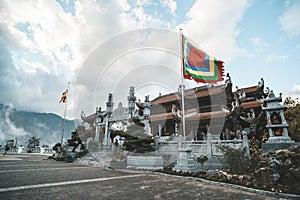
{"type": "Point", "coordinates": [65, 113]}
{"type": "Point", "coordinates": [182, 88]}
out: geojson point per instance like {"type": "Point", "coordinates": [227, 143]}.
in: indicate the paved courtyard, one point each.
{"type": "Point", "coordinates": [35, 177]}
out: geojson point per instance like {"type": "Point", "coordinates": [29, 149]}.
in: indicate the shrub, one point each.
{"type": "Point", "coordinates": [236, 159]}
{"type": "Point", "coordinates": [139, 145]}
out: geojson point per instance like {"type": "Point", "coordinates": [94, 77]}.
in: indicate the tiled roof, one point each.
{"type": "Point", "coordinates": [247, 90]}
{"type": "Point", "coordinates": [91, 118]}
{"type": "Point", "coordinates": [198, 92]}
{"type": "Point", "coordinates": [252, 104]}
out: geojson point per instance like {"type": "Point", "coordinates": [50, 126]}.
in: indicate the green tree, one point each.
{"type": "Point", "coordinates": [237, 160]}
{"type": "Point", "coordinates": [292, 115]}
{"type": "Point", "coordinates": [33, 142]}
{"type": "Point", "coordinates": [10, 143]}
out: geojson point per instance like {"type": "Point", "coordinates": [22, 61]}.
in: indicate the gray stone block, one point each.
{"type": "Point", "coordinates": [268, 147]}
{"type": "Point", "coordinates": [145, 162]}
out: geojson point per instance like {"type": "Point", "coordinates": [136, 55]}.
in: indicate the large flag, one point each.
{"type": "Point", "coordinates": [200, 66]}
{"type": "Point", "coordinates": [64, 97]}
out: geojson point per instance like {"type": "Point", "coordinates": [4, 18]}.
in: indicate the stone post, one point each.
{"type": "Point", "coordinates": [185, 163]}
{"type": "Point", "coordinates": [208, 146]}
{"type": "Point", "coordinates": [20, 149]}
{"type": "Point", "coordinates": [98, 120]}
{"type": "Point", "coordinates": [131, 102]}
{"type": "Point", "coordinates": [176, 128]}
{"type": "Point", "coordinates": [159, 130]}
{"type": "Point", "coordinates": [147, 115]}
{"type": "Point", "coordinates": [109, 109]}
{"type": "Point", "coordinates": [246, 142]}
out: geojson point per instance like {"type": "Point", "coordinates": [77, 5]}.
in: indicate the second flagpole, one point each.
{"type": "Point", "coordinates": [65, 113]}
{"type": "Point", "coordinates": [182, 89]}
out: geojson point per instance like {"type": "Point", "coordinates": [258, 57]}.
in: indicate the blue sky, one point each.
{"type": "Point", "coordinates": [45, 44]}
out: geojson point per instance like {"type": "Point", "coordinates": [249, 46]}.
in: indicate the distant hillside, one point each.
{"type": "Point", "coordinates": [22, 125]}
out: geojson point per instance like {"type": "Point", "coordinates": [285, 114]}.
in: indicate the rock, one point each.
{"type": "Point", "coordinates": [282, 170]}
{"type": "Point", "coordinates": [295, 149]}
{"type": "Point", "coordinates": [287, 162]}
{"type": "Point", "coordinates": [274, 178]}
{"type": "Point", "coordinates": [262, 176]}
{"type": "Point", "coordinates": [262, 163]}
{"type": "Point", "coordinates": [295, 173]}
{"type": "Point", "coordinates": [274, 163]}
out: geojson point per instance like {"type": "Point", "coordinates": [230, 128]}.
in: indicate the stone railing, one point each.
{"type": "Point", "coordinates": [20, 150]}
{"type": "Point", "coordinates": [209, 147]}
{"type": "Point", "coordinates": [145, 162]}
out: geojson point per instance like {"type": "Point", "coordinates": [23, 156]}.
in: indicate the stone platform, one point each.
{"type": "Point", "coordinates": [277, 143]}
{"type": "Point", "coordinates": [145, 162]}
{"type": "Point", "coordinates": [185, 163]}
{"type": "Point", "coordinates": [269, 147]}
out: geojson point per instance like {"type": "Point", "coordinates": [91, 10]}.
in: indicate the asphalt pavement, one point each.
{"type": "Point", "coordinates": [36, 177]}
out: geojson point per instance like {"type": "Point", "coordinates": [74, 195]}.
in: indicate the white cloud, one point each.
{"type": "Point", "coordinates": [36, 70]}
{"type": "Point", "coordinates": [214, 26]}
{"type": "Point", "coordinates": [296, 88]}
{"type": "Point", "coordinates": [258, 42]}
{"type": "Point", "coordinates": [8, 130]}
{"type": "Point", "coordinates": [142, 60]}
{"type": "Point", "coordinates": [52, 29]}
{"type": "Point", "coordinates": [171, 5]}
{"type": "Point", "coordinates": [294, 92]}
{"type": "Point", "coordinates": [289, 20]}
{"type": "Point", "coordinates": [34, 66]}
{"type": "Point", "coordinates": [275, 58]}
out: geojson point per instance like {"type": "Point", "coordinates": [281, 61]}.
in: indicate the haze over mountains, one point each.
{"type": "Point", "coordinates": [21, 125]}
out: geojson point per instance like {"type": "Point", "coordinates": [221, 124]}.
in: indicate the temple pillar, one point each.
{"type": "Point", "coordinates": [146, 115]}
{"type": "Point", "coordinates": [109, 109]}
{"type": "Point", "coordinates": [159, 130]}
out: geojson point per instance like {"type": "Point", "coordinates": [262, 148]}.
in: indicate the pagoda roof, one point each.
{"type": "Point", "coordinates": [90, 119]}
{"type": "Point", "coordinates": [252, 104]}
{"type": "Point", "coordinates": [256, 91]}
{"type": "Point", "coordinates": [247, 90]}
{"type": "Point", "coordinates": [197, 92]}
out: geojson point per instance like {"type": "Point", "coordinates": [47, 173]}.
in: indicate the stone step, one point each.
{"type": "Point", "coordinates": [214, 163]}
{"type": "Point", "coordinates": [118, 165]}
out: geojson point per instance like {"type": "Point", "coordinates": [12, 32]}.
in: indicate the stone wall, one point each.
{"type": "Point", "coordinates": [145, 162]}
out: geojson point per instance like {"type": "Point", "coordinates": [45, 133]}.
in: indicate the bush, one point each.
{"type": "Point", "coordinates": [140, 145]}
{"type": "Point", "coordinates": [237, 161]}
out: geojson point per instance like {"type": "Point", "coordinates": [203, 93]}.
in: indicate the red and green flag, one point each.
{"type": "Point", "coordinates": [200, 66]}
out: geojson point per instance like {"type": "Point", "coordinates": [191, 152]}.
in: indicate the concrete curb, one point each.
{"type": "Point", "coordinates": [253, 190]}
{"type": "Point", "coordinates": [247, 189]}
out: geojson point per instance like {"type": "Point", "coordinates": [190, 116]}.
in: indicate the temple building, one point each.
{"type": "Point", "coordinates": [214, 108]}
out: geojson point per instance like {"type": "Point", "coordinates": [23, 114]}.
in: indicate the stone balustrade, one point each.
{"type": "Point", "coordinates": [203, 147]}
{"type": "Point", "coordinates": [145, 162]}
{"type": "Point", "coordinates": [22, 150]}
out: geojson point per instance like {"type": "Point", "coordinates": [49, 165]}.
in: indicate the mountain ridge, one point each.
{"type": "Point", "coordinates": [21, 125]}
